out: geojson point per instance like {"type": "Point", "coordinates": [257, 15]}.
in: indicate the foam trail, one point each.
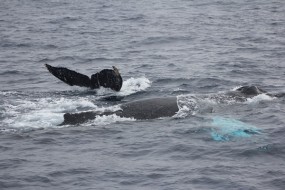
{"type": "Point", "coordinates": [48, 112]}
{"type": "Point", "coordinates": [260, 97]}
{"type": "Point", "coordinates": [41, 113]}
{"type": "Point", "coordinates": [108, 119]}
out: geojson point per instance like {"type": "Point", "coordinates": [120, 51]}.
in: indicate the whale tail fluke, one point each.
{"type": "Point", "coordinates": [107, 78]}
{"type": "Point", "coordinates": [69, 77]}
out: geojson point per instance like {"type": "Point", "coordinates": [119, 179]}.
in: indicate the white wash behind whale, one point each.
{"type": "Point", "coordinates": [191, 104]}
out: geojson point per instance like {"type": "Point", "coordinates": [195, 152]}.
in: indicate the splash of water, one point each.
{"type": "Point", "coordinates": [133, 85]}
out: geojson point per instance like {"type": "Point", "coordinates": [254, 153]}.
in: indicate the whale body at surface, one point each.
{"type": "Point", "coordinates": [162, 107]}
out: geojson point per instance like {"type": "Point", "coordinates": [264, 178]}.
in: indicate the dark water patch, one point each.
{"type": "Point", "coordinates": [160, 57]}
{"type": "Point", "coordinates": [159, 40]}
{"type": "Point", "coordinates": [212, 84]}
{"type": "Point", "coordinates": [145, 66]}
{"type": "Point", "coordinates": [134, 18]}
{"type": "Point", "coordinates": [50, 46]}
{"type": "Point", "coordinates": [192, 133]}
{"type": "Point", "coordinates": [73, 93]}
{"type": "Point", "coordinates": [12, 163]}
{"type": "Point", "coordinates": [210, 181]}
{"type": "Point", "coordinates": [15, 134]}
{"type": "Point", "coordinates": [180, 91]}
{"type": "Point", "coordinates": [65, 58]}
{"type": "Point", "coordinates": [242, 72]}
{"type": "Point", "coordinates": [45, 60]}
{"type": "Point", "coordinates": [11, 72]}
{"type": "Point", "coordinates": [103, 59]}
{"type": "Point", "coordinates": [59, 60]}
{"type": "Point", "coordinates": [278, 183]}
{"type": "Point", "coordinates": [38, 179]}
{"type": "Point", "coordinates": [124, 18]}
{"type": "Point", "coordinates": [24, 45]}
{"type": "Point", "coordinates": [272, 179]}
{"type": "Point", "coordinates": [276, 24]}
{"type": "Point", "coordinates": [127, 178]}
{"type": "Point", "coordinates": [11, 184]}
{"type": "Point", "coordinates": [171, 65]}
{"type": "Point", "coordinates": [155, 176]}
{"type": "Point", "coordinates": [5, 148]}
{"type": "Point", "coordinates": [51, 133]}
{"type": "Point", "coordinates": [270, 150]}
{"type": "Point", "coordinates": [69, 172]}
{"type": "Point", "coordinates": [135, 153]}
{"type": "Point", "coordinates": [45, 141]}
{"type": "Point", "coordinates": [172, 80]}
{"type": "Point", "coordinates": [181, 148]}
{"type": "Point", "coordinates": [277, 132]}
{"type": "Point", "coordinates": [84, 60]}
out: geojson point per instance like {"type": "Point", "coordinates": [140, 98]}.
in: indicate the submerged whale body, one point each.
{"type": "Point", "coordinates": [155, 107]}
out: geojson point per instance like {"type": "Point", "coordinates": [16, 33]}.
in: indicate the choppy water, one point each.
{"type": "Point", "coordinates": [162, 48]}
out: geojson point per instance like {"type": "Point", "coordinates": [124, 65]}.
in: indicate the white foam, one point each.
{"type": "Point", "coordinates": [187, 105]}
{"type": "Point", "coordinates": [108, 119]}
{"type": "Point", "coordinates": [133, 85]}
{"type": "Point", "coordinates": [42, 112]}
{"type": "Point", "coordinates": [235, 88]}
{"type": "Point", "coordinates": [107, 109]}
{"type": "Point", "coordinates": [4, 93]}
{"type": "Point", "coordinates": [130, 86]}
{"type": "Point", "coordinates": [192, 104]}
{"type": "Point", "coordinates": [260, 97]}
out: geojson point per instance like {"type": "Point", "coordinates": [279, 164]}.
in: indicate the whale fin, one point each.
{"type": "Point", "coordinates": [69, 77]}
{"type": "Point", "coordinates": [108, 78]}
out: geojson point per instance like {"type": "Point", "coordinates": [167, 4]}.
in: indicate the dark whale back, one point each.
{"type": "Point", "coordinates": [250, 90]}
{"type": "Point", "coordinates": [150, 108]}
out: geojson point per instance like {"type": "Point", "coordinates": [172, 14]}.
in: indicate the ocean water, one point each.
{"type": "Point", "coordinates": [183, 48]}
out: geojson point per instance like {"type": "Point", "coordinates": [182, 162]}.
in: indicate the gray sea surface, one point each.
{"type": "Point", "coordinates": [162, 48]}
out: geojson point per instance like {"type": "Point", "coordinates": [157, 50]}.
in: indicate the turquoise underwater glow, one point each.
{"type": "Point", "coordinates": [226, 129]}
